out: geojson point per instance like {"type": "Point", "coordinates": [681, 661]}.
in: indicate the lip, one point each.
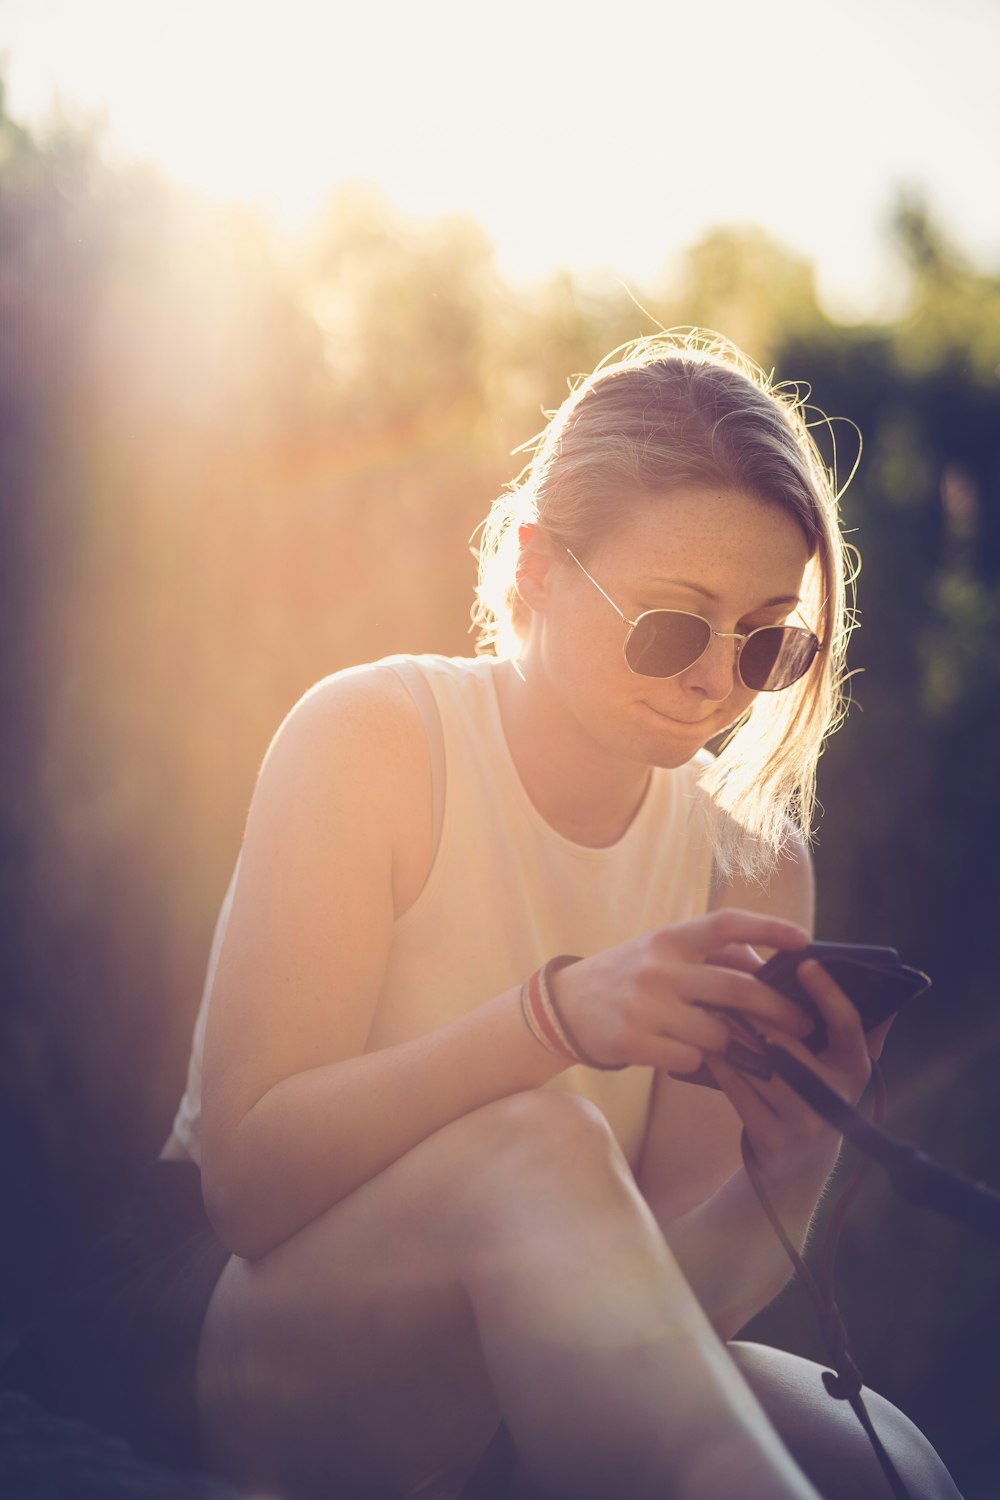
{"type": "Point", "coordinates": [684, 723]}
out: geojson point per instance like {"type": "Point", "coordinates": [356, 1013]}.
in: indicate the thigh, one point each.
{"type": "Point", "coordinates": [825, 1437]}
{"type": "Point", "coordinates": [350, 1353]}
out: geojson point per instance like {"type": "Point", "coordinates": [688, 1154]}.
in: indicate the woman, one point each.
{"type": "Point", "coordinates": [460, 1176]}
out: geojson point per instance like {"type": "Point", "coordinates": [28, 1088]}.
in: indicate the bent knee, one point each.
{"type": "Point", "coordinates": [550, 1114]}
{"type": "Point", "coordinates": [546, 1130]}
{"type": "Point", "coordinates": [539, 1151]}
{"type": "Point", "coordinates": [825, 1437]}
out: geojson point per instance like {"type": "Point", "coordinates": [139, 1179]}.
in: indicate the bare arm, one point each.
{"type": "Point", "coordinates": [692, 1173]}
{"type": "Point", "coordinates": [295, 1114]}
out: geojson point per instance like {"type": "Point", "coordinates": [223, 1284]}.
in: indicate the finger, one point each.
{"type": "Point", "coordinates": [666, 1054]}
{"type": "Point", "coordinates": [846, 1073]}
{"type": "Point", "coordinates": [876, 1037]}
{"type": "Point", "coordinates": [688, 1024]}
{"type": "Point", "coordinates": [743, 992]}
{"type": "Point", "coordinates": [744, 1094]}
{"type": "Point", "coordinates": [704, 935]}
{"type": "Point", "coordinates": [780, 1098]}
{"type": "Point", "coordinates": [737, 956]}
{"type": "Point", "coordinates": [845, 1032]}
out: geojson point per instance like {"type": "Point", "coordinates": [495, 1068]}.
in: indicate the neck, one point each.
{"type": "Point", "coordinates": [578, 788]}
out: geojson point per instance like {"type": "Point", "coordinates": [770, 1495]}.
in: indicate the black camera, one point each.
{"type": "Point", "coordinates": [873, 978]}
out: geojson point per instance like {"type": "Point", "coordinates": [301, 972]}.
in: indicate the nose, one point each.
{"type": "Point", "coordinates": [714, 674]}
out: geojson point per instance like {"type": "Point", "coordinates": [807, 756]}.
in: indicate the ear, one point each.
{"type": "Point", "coordinates": [535, 559]}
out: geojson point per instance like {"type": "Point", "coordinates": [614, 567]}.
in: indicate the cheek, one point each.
{"type": "Point", "coordinates": [586, 663]}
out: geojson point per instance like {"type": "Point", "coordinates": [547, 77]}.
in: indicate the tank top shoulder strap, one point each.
{"type": "Point", "coordinates": [420, 691]}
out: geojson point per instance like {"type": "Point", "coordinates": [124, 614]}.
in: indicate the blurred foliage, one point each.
{"type": "Point", "coordinates": [227, 469]}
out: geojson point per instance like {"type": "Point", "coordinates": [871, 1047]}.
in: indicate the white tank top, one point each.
{"type": "Point", "coordinates": [506, 892]}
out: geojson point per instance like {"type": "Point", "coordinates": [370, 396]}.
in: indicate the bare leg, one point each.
{"type": "Point", "coordinates": [827, 1440]}
{"type": "Point", "coordinates": [506, 1265]}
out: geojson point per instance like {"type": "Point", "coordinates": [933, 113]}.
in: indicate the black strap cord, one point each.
{"type": "Point", "coordinates": [917, 1179]}
{"type": "Point", "coordinates": [844, 1381]}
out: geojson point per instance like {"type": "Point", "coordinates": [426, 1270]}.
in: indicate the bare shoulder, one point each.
{"type": "Point", "coordinates": [789, 890]}
{"type": "Point", "coordinates": [363, 712]}
{"type": "Point", "coordinates": [352, 756]}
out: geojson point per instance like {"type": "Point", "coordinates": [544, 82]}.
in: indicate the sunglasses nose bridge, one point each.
{"type": "Point", "coordinates": [740, 637]}
{"type": "Point", "coordinates": [732, 660]}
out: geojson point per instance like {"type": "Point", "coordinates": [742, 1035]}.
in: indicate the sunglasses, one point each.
{"type": "Point", "coordinates": [665, 642]}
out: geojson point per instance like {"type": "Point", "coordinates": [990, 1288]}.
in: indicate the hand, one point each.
{"type": "Point", "coordinates": [786, 1134]}
{"type": "Point", "coordinates": [641, 1002]}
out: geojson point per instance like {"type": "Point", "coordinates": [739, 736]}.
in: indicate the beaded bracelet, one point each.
{"type": "Point", "coordinates": [546, 1020]}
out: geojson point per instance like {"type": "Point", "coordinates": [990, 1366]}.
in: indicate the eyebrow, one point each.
{"type": "Point", "coordinates": [699, 588]}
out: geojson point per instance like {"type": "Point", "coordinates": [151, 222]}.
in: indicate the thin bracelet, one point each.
{"type": "Point", "coordinates": [554, 1009]}
{"type": "Point", "coordinates": [542, 1021]}
{"type": "Point", "coordinates": [536, 1024]}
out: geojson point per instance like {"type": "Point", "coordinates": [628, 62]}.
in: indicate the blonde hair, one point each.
{"type": "Point", "coordinates": [686, 407]}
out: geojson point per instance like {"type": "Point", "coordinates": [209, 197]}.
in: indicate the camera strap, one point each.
{"type": "Point", "coordinates": [844, 1381]}
{"type": "Point", "coordinates": [916, 1177]}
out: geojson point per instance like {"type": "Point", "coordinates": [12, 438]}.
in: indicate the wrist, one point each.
{"type": "Point", "coordinates": [805, 1162]}
{"type": "Point", "coordinates": [546, 1018]}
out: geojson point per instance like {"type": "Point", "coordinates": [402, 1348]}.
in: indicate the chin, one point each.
{"type": "Point", "coordinates": [669, 743]}
{"type": "Point", "coordinates": [669, 751]}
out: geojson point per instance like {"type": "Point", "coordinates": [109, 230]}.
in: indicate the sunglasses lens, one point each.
{"type": "Point", "coordinates": [666, 641]}
{"type": "Point", "coordinates": [777, 656]}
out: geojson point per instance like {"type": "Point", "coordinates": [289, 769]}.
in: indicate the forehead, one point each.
{"type": "Point", "coordinates": [725, 541]}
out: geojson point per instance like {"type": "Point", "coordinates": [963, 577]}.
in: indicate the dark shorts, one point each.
{"type": "Point", "coordinates": [119, 1349]}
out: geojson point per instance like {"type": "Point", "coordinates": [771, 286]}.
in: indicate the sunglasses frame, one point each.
{"type": "Point", "coordinates": [726, 635]}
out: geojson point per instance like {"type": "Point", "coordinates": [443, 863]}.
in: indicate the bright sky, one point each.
{"type": "Point", "coordinates": [593, 135]}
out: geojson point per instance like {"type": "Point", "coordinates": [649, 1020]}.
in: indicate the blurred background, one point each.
{"type": "Point", "coordinates": [279, 295]}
